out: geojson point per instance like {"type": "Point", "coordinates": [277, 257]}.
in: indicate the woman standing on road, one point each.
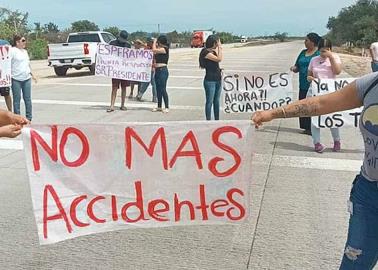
{"type": "Point", "coordinates": [160, 47]}
{"type": "Point", "coordinates": [325, 66]}
{"type": "Point", "coordinates": [361, 249]}
{"type": "Point", "coordinates": [209, 59]}
{"type": "Point", "coordinates": [21, 76]}
{"type": "Point", "coordinates": [301, 66]}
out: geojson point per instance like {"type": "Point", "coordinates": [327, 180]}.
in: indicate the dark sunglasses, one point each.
{"type": "Point", "coordinates": [23, 40]}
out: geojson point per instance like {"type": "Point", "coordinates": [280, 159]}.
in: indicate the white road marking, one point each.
{"type": "Point", "coordinates": [331, 164]}
{"type": "Point", "coordinates": [129, 104]}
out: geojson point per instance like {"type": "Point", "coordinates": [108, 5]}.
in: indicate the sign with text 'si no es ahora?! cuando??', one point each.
{"type": "Point", "coordinates": [89, 179]}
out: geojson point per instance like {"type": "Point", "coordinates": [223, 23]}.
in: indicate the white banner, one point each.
{"type": "Point", "coordinates": [124, 63]}
{"type": "Point", "coordinates": [337, 119]}
{"type": "Point", "coordinates": [5, 66]}
{"type": "Point", "coordinates": [256, 91]}
{"type": "Point", "coordinates": [95, 178]}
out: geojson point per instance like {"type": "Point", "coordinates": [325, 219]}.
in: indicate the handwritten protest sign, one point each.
{"type": "Point", "coordinates": [250, 92]}
{"type": "Point", "coordinates": [337, 119]}
{"type": "Point", "coordinates": [5, 66]}
{"type": "Point", "coordinates": [124, 63]}
{"type": "Point", "coordinates": [95, 178]}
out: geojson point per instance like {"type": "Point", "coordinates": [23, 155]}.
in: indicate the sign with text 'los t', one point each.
{"type": "Point", "coordinates": [337, 119]}
{"type": "Point", "coordinates": [248, 92]}
{"type": "Point", "coordinates": [95, 178]}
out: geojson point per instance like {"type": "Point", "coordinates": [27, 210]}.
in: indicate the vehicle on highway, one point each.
{"type": "Point", "coordinates": [78, 52]}
{"type": "Point", "coordinates": [199, 38]}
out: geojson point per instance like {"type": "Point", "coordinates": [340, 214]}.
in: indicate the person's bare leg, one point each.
{"type": "Point", "coordinates": [123, 98]}
{"type": "Point", "coordinates": [8, 102]}
{"type": "Point", "coordinates": [112, 99]}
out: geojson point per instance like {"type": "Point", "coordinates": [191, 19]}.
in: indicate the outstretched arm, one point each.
{"type": "Point", "coordinates": [344, 99]}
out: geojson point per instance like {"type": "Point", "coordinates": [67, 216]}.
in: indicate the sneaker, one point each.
{"type": "Point", "coordinates": [336, 146]}
{"type": "Point", "coordinates": [156, 109]}
{"type": "Point", "coordinates": [166, 110]}
{"type": "Point", "coordinates": [319, 148]}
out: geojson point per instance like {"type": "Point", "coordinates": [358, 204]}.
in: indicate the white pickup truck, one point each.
{"type": "Point", "coordinates": [79, 51]}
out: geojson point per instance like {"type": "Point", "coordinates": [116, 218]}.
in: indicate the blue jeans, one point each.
{"type": "Point", "coordinates": [144, 85]}
{"type": "Point", "coordinates": [361, 249]}
{"type": "Point", "coordinates": [161, 78]}
{"type": "Point", "coordinates": [23, 87]}
{"type": "Point", "coordinates": [212, 91]}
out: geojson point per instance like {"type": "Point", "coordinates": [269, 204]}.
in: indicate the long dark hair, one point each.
{"type": "Point", "coordinates": [325, 43]}
{"type": "Point", "coordinates": [210, 43]}
{"type": "Point", "coordinates": [163, 41]}
{"type": "Point", "coordinates": [16, 38]}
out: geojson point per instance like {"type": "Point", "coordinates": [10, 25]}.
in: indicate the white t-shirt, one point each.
{"type": "Point", "coordinates": [374, 50]}
{"type": "Point", "coordinates": [20, 64]}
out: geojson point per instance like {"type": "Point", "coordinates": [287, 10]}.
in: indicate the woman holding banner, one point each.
{"type": "Point", "coordinates": [361, 249]}
{"type": "Point", "coordinates": [209, 59]}
{"type": "Point", "coordinates": [301, 66]}
{"type": "Point", "coordinates": [160, 47]}
{"type": "Point", "coordinates": [325, 66]}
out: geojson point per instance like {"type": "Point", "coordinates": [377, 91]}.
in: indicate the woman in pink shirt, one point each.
{"type": "Point", "coordinates": [325, 66]}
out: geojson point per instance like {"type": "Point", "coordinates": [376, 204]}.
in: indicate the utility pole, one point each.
{"type": "Point", "coordinates": [158, 28]}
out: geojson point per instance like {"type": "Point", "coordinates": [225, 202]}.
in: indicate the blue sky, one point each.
{"type": "Point", "coordinates": [247, 17]}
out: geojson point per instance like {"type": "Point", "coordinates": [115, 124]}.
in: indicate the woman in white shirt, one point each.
{"type": "Point", "coordinates": [21, 76]}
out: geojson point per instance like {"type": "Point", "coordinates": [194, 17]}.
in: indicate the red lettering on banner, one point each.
{"type": "Point", "coordinates": [160, 133]}
{"type": "Point", "coordinates": [213, 163]}
{"type": "Point", "coordinates": [51, 151]}
{"type": "Point", "coordinates": [238, 205]}
{"type": "Point", "coordinates": [114, 208]}
{"type": "Point", "coordinates": [189, 137]}
{"type": "Point", "coordinates": [84, 153]}
{"type": "Point", "coordinates": [73, 210]}
{"type": "Point", "coordinates": [90, 209]}
{"type": "Point", "coordinates": [138, 204]}
{"type": "Point", "coordinates": [178, 205]}
{"type": "Point", "coordinates": [217, 204]}
{"type": "Point", "coordinates": [203, 206]}
{"type": "Point", "coordinates": [154, 213]}
{"type": "Point", "coordinates": [61, 215]}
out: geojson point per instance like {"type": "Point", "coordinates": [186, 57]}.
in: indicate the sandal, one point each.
{"type": "Point", "coordinates": [123, 108]}
{"type": "Point", "coordinates": [110, 110]}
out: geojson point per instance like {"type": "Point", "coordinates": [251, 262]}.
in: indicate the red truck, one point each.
{"type": "Point", "coordinates": [199, 38]}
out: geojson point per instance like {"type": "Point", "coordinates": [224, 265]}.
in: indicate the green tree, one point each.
{"type": "Point", "coordinates": [281, 36]}
{"type": "Point", "coordinates": [37, 49]}
{"type": "Point", "coordinates": [356, 24]}
{"type": "Point", "coordinates": [15, 20]}
{"type": "Point", "coordinates": [83, 26]}
{"type": "Point", "coordinates": [50, 28]}
{"type": "Point", "coordinates": [113, 30]}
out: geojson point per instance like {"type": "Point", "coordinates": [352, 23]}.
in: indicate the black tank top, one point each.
{"type": "Point", "coordinates": [162, 58]}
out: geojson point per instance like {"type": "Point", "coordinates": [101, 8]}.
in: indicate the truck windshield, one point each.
{"type": "Point", "coordinates": [84, 38]}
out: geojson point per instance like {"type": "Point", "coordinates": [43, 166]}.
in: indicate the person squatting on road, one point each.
{"type": "Point", "coordinates": [301, 66]}
{"type": "Point", "coordinates": [325, 66]}
{"type": "Point", "coordinates": [209, 59]}
{"type": "Point", "coordinates": [160, 47]}
{"type": "Point", "coordinates": [121, 41]}
{"type": "Point", "coordinates": [21, 76]}
{"type": "Point", "coordinates": [361, 249]}
{"type": "Point", "coordinates": [11, 124]}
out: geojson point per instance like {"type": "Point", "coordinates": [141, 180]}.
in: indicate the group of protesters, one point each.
{"type": "Point", "coordinates": [316, 61]}
{"type": "Point", "coordinates": [159, 73]}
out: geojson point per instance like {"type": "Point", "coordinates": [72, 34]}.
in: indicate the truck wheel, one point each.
{"type": "Point", "coordinates": [60, 71]}
{"type": "Point", "coordinates": [92, 69]}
